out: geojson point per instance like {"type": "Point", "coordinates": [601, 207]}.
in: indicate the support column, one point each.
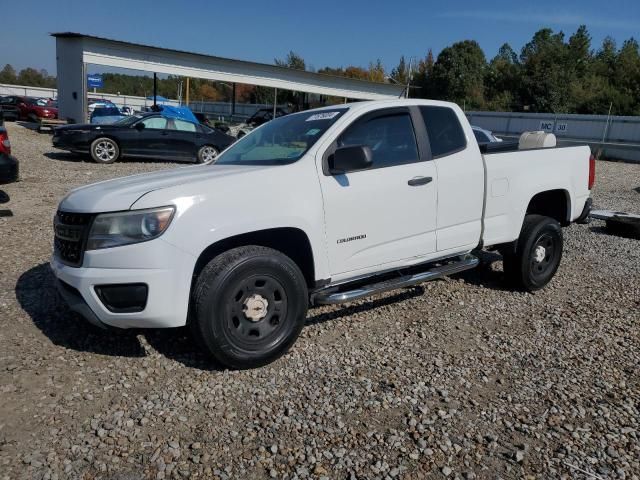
{"type": "Point", "coordinates": [155, 87]}
{"type": "Point", "coordinates": [233, 100]}
{"type": "Point", "coordinates": [72, 80]}
{"type": "Point", "coordinates": [275, 101]}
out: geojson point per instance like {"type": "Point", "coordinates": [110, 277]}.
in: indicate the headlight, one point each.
{"type": "Point", "coordinates": [124, 228]}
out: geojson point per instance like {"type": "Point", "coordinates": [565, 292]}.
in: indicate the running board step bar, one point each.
{"type": "Point", "coordinates": [333, 295]}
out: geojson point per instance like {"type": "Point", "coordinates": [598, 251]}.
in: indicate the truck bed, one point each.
{"type": "Point", "coordinates": [513, 177]}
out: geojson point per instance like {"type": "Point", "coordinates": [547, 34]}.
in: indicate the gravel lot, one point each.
{"type": "Point", "coordinates": [460, 378]}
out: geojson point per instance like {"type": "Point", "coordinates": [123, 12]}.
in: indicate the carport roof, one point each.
{"type": "Point", "coordinates": [118, 53]}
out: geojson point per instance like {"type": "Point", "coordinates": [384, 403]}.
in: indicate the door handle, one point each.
{"type": "Point", "coordinates": [415, 181]}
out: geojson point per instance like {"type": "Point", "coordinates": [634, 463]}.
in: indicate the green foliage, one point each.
{"type": "Point", "coordinates": [458, 74]}
{"type": "Point", "coordinates": [551, 74]}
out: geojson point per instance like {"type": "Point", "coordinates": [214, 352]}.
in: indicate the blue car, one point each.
{"type": "Point", "coordinates": [106, 115]}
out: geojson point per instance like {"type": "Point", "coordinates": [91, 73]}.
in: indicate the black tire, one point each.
{"type": "Point", "coordinates": [207, 153]}
{"type": "Point", "coordinates": [250, 305]}
{"type": "Point", "coordinates": [104, 150]}
{"type": "Point", "coordinates": [537, 254]}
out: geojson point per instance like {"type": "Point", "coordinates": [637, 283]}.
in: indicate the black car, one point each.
{"type": "Point", "coordinates": [264, 115]}
{"type": "Point", "coordinates": [9, 107]}
{"type": "Point", "coordinates": [8, 164]}
{"type": "Point", "coordinates": [147, 136]}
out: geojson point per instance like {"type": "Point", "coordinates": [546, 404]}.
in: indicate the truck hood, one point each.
{"type": "Point", "coordinates": [121, 193]}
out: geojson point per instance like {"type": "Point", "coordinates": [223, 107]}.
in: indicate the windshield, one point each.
{"type": "Point", "coordinates": [281, 141]}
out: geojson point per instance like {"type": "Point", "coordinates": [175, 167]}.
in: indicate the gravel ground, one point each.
{"type": "Point", "coordinates": [460, 378]}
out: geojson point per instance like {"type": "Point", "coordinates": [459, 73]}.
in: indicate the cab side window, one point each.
{"type": "Point", "coordinates": [389, 135]}
{"type": "Point", "coordinates": [183, 126]}
{"type": "Point", "coordinates": [445, 132]}
{"type": "Point", "coordinates": [155, 123]}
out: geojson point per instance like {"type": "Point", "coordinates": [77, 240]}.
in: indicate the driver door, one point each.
{"type": "Point", "coordinates": [152, 140]}
{"type": "Point", "coordinates": [385, 215]}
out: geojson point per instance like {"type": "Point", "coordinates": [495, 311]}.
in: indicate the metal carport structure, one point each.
{"type": "Point", "coordinates": [75, 50]}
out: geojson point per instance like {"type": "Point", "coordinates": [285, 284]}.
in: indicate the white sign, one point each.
{"type": "Point", "coordinates": [546, 125]}
{"type": "Point", "coordinates": [550, 126]}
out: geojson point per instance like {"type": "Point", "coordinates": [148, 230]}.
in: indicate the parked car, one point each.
{"type": "Point", "coordinates": [126, 110]}
{"type": "Point", "coordinates": [323, 207]}
{"type": "Point", "coordinates": [93, 103]}
{"type": "Point", "coordinates": [260, 117]}
{"type": "Point", "coordinates": [264, 115]}
{"type": "Point", "coordinates": [484, 136]}
{"type": "Point", "coordinates": [31, 108]}
{"type": "Point", "coordinates": [9, 107]}
{"type": "Point", "coordinates": [147, 135]}
{"type": "Point", "coordinates": [106, 115]}
{"type": "Point", "coordinates": [203, 119]}
{"type": "Point", "coordinates": [8, 164]}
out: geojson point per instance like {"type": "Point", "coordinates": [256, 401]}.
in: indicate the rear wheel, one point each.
{"type": "Point", "coordinates": [104, 150]}
{"type": "Point", "coordinates": [207, 153]}
{"type": "Point", "coordinates": [537, 254]}
{"type": "Point", "coordinates": [250, 304]}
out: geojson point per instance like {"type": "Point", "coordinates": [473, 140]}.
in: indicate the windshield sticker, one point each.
{"type": "Point", "coordinates": [312, 132]}
{"type": "Point", "coordinates": [322, 116]}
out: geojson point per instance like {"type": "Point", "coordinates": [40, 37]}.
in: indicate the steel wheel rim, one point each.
{"type": "Point", "coordinates": [260, 328]}
{"type": "Point", "coordinates": [542, 265]}
{"type": "Point", "coordinates": [209, 154]}
{"type": "Point", "coordinates": [105, 150]}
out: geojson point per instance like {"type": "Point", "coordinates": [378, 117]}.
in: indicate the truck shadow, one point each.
{"type": "Point", "coordinates": [37, 295]}
{"type": "Point", "coordinates": [67, 157]}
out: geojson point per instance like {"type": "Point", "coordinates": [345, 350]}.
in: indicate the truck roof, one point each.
{"type": "Point", "coordinates": [392, 102]}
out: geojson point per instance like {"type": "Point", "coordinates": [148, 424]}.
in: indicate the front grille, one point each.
{"type": "Point", "coordinates": [71, 231]}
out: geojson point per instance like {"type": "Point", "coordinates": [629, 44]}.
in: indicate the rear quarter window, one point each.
{"type": "Point", "coordinates": [446, 135]}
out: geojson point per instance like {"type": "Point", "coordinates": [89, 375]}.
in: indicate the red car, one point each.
{"type": "Point", "coordinates": [32, 108]}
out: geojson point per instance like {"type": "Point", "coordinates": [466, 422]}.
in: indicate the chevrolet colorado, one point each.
{"type": "Point", "coordinates": [320, 207]}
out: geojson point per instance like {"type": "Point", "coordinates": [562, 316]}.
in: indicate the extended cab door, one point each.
{"type": "Point", "coordinates": [460, 177]}
{"type": "Point", "coordinates": [386, 214]}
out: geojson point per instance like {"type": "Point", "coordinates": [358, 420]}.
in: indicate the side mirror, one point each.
{"type": "Point", "coordinates": [346, 159]}
{"type": "Point", "coordinates": [139, 126]}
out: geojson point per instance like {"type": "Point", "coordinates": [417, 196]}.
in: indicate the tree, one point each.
{"type": "Point", "coordinates": [545, 78]}
{"type": "Point", "coordinates": [400, 74]}
{"type": "Point", "coordinates": [627, 76]}
{"type": "Point", "coordinates": [8, 75]}
{"type": "Point", "coordinates": [422, 79]}
{"type": "Point", "coordinates": [458, 74]}
{"type": "Point", "coordinates": [292, 60]}
{"type": "Point", "coordinates": [502, 80]}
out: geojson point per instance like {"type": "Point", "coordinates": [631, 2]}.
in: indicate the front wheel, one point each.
{"type": "Point", "coordinates": [537, 254]}
{"type": "Point", "coordinates": [104, 150]}
{"type": "Point", "coordinates": [207, 154]}
{"type": "Point", "coordinates": [250, 305]}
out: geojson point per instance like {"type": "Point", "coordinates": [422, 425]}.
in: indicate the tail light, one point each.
{"type": "Point", "coordinates": [592, 171]}
{"type": "Point", "coordinates": [5, 144]}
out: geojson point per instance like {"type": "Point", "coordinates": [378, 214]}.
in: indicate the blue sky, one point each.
{"type": "Point", "coordinates": [325, 33]}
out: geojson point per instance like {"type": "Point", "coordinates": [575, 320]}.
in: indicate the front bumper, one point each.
{"type": "Point", "coordinates": [166, 270]}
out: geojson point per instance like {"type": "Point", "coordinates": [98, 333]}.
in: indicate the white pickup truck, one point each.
{"type": "Point", "coordinates": [320, 207]}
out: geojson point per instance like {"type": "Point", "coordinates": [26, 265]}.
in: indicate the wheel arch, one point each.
{"type": "Point", "coordinates": [554, 203]}
{"type": "Point", "coordinates": [292, 242]}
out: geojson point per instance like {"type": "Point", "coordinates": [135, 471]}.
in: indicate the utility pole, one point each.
{"type": "Point", "coordinates": [187, 93]}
